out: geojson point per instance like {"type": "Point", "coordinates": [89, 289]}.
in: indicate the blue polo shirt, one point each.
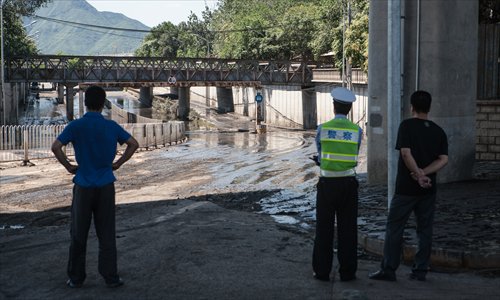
{"type": "Point", "coordinates": [95, 141]}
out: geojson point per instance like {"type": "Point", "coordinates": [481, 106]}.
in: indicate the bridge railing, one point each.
{"type": "Point", "coordinates": [24, 143]}
{"type": "Point", "coordinates": [79, 69]}
{"type": "Point", "coordinates": [335, 75]}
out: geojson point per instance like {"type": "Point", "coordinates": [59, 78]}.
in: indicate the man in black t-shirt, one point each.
{"type": "Point", "coordinates": [423, 147]}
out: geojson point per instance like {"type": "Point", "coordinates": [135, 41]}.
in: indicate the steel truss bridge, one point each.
{"type": "Point", "coordinates": [155, 71]}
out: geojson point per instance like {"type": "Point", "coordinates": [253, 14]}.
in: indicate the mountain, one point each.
{"type": "Point", "coordinates": [56, 37]}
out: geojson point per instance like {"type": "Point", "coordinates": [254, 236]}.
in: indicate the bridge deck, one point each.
{"type": "Point", "coordinates": [157, 71]}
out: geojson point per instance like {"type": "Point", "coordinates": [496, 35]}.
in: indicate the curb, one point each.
{"type": "Point", "coordinates": [439, 256]}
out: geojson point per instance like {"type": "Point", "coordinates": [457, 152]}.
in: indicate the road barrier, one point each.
{"type": "Point", "coordinates": [26, 142]}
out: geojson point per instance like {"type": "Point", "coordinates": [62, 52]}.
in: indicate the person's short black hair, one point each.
{"type": "Point", "coordinates": [341, 108]}
{"type": "Point", "coordinates": [95, 96]}
{"type": "Point", "coordinates": [421, 101]}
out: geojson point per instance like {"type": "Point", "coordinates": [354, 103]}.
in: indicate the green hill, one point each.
{"type": "Point", "coordinates": [55, 37]}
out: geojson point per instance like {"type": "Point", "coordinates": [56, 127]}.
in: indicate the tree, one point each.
{"type": "Point", "coordinates": [188, 39]}
{"type": "Point", "coordinates": [161, 42]}
{"type": "Point", "coordinates": [16, 41]}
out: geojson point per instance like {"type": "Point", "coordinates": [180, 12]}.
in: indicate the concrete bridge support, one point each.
{"type": "Point", "coordinates": [81, 105]}
{"type": "Point", "coordinates": [174, 90]}
{"type": "Point", "coordinates": [184, 103]}
{"type": "Point", "coordinates": [15, 94]}
{"type": "Point", "coordinates": [439, 56]}
{"type": "Point", "coordinates": [309, 114]}
{"type": "Point", "coordinates": [60, 92]}
{"type": "Point", "coordinates": [9, 116]}
{"type": "Point", "coordinates": [146, 96]}
{"type": "Point", "coordinates": [70, 106]}
{"type": "Point", "coordinates": [225, 101]}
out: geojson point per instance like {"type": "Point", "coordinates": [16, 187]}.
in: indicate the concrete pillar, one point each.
{"type": "Point", "coordinates": [16, 100]}
{"type": "Point", "coordinates": [69, 103]}
{"type": "Point", "coordinates": [146, 96]}
{"type": "Point", "coordinates": [81, 105]}
{"type": "Point", "coordinates": [184, 103]}
{"type": "Point", "coordinates": [174, 90]}
{"type": "Point", "coordinates": [448, 70]}
{"type": "Point", "coordinates": [245, 100]}
{"type": "Point", "coordinates": [9, 111]}
{"type": "Point", "coordinates": [225, 102]}
{"type": "Point", "coordinates": [377, 94]}
{"type": "Point", "coordinates": [60, 93]}
{"type": "Point", "coordinates": [439, 56]}
{"type": "Point", "coordinates": [309, 115]}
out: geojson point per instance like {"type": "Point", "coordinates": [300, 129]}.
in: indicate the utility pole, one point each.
{"type": "Point", "coordinates": [393, 90]}
{"type": "Point", "coordinates": [2, 65]}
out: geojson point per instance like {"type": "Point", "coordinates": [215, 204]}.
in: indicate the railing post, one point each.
{"type": "Point", "coordinates": [26, 160]}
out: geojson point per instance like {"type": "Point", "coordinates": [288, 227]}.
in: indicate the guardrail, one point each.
{"type": "Point", "coordinates": [335, 75]}
{"type": "Point", "coordinates": [23, 143]}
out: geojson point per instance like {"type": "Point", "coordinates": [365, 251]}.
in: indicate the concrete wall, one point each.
{"type": "Point", "coordinates": [488, 130]}
{"type": "Point", "coordinates": [446, 66]}
{"type": "Point", "coordinates": [358, 111]}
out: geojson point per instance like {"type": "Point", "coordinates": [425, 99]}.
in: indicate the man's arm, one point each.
{"type": "Point", "coordinates": [61, 157]}
{"type": "Point", "coordinates": [410, 162]}
{"type": "Point", "coordinates": [132, 145]}
{"type": "Point", "coordinates": [418, 174]}
{"type": "Point", "coordinates": [436, 165]}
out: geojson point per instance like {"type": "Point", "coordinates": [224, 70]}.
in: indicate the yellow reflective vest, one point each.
{"type": "Point", "coordinates": [339, 140]}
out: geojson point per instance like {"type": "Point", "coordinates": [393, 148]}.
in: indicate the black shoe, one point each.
{"type": "Point", "coordinates": [115, 284]}
{"type": "Point", "coordinates": [382, 275]}
{"type": "Point", "coordinates": [321, 277]}
{"type": "Point", "coordinates": [347, 278]}
{"type": "Point", "coordinates": [73, 285]}
{"type": "Point", "coordinates": [420, 276]}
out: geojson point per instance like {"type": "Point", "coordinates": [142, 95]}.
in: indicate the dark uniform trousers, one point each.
{"type": "Point", "coordinates": [336, 197]}
{"type": "Point", "coordinates": [99, 202]}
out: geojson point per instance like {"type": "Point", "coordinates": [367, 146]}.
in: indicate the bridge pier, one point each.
{"type": "Point", "coordinates": [60, 93]}
{"type": "Point", "coordinates": [146, 96]}
{"type": "Point", "coordinates": [438, 59]}
{"type": "Point", "coordinates": [81, 109]}
{"type": "Point", "coordinates": [309, 115]}
{"type": "Point", "coordinates": [225, 101]}
{"type": "Point", "coordinates": [70, 106]}
{"type": "Point", "coordinates": [174, 90]}
{"type": "Point", "coordinates": [184, 103]}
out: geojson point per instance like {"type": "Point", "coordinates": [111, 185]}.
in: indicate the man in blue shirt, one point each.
{"type": "Point", "coordinates": [95, 142]}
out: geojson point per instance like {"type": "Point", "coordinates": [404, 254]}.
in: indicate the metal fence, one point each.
{"type": "Point", "coordinates": [24, 143]}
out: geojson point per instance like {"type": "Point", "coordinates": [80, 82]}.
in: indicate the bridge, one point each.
{"type": "Point", "coordinates": [178, 73]}
{"type": "Point", "coordinates": [156, 71]}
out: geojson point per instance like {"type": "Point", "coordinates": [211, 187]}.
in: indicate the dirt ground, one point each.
{"type": "Point", "coordinates": [193, 223]}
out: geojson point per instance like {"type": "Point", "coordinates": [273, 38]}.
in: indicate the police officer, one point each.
{"type": "Point", "coordinates": [338, 142]}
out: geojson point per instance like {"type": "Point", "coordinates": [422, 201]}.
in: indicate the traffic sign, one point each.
{"type": "Point", "coordinates": [258, 97]}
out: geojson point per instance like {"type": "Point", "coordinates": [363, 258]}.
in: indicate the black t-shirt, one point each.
{"type": "Point", "coordinates": [426, 141]}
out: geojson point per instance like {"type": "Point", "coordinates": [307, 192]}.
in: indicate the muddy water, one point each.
{"type": "Point", "coordinates": [245, 161]}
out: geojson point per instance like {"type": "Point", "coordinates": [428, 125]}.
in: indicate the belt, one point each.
{"type": "Point", "coordinates": [326, 173]}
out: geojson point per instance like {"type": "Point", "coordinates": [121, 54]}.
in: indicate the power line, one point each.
{"type": "Point", "coordinates": [159, 31]}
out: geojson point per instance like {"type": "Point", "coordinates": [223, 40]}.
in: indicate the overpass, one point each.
{"type": "Point", "coordinates": [148, 72]}
{"type": "Point", "coordinates": [156, 71]}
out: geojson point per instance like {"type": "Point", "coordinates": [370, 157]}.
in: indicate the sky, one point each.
{"type": "Point", "coordinates": [154, 12]}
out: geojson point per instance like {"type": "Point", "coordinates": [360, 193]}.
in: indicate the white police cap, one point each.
{"type": "Point", "coordinates": [343, 95]}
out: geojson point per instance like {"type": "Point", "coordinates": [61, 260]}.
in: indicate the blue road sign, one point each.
{"type": "Point", "coordinates": [258, 98]}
